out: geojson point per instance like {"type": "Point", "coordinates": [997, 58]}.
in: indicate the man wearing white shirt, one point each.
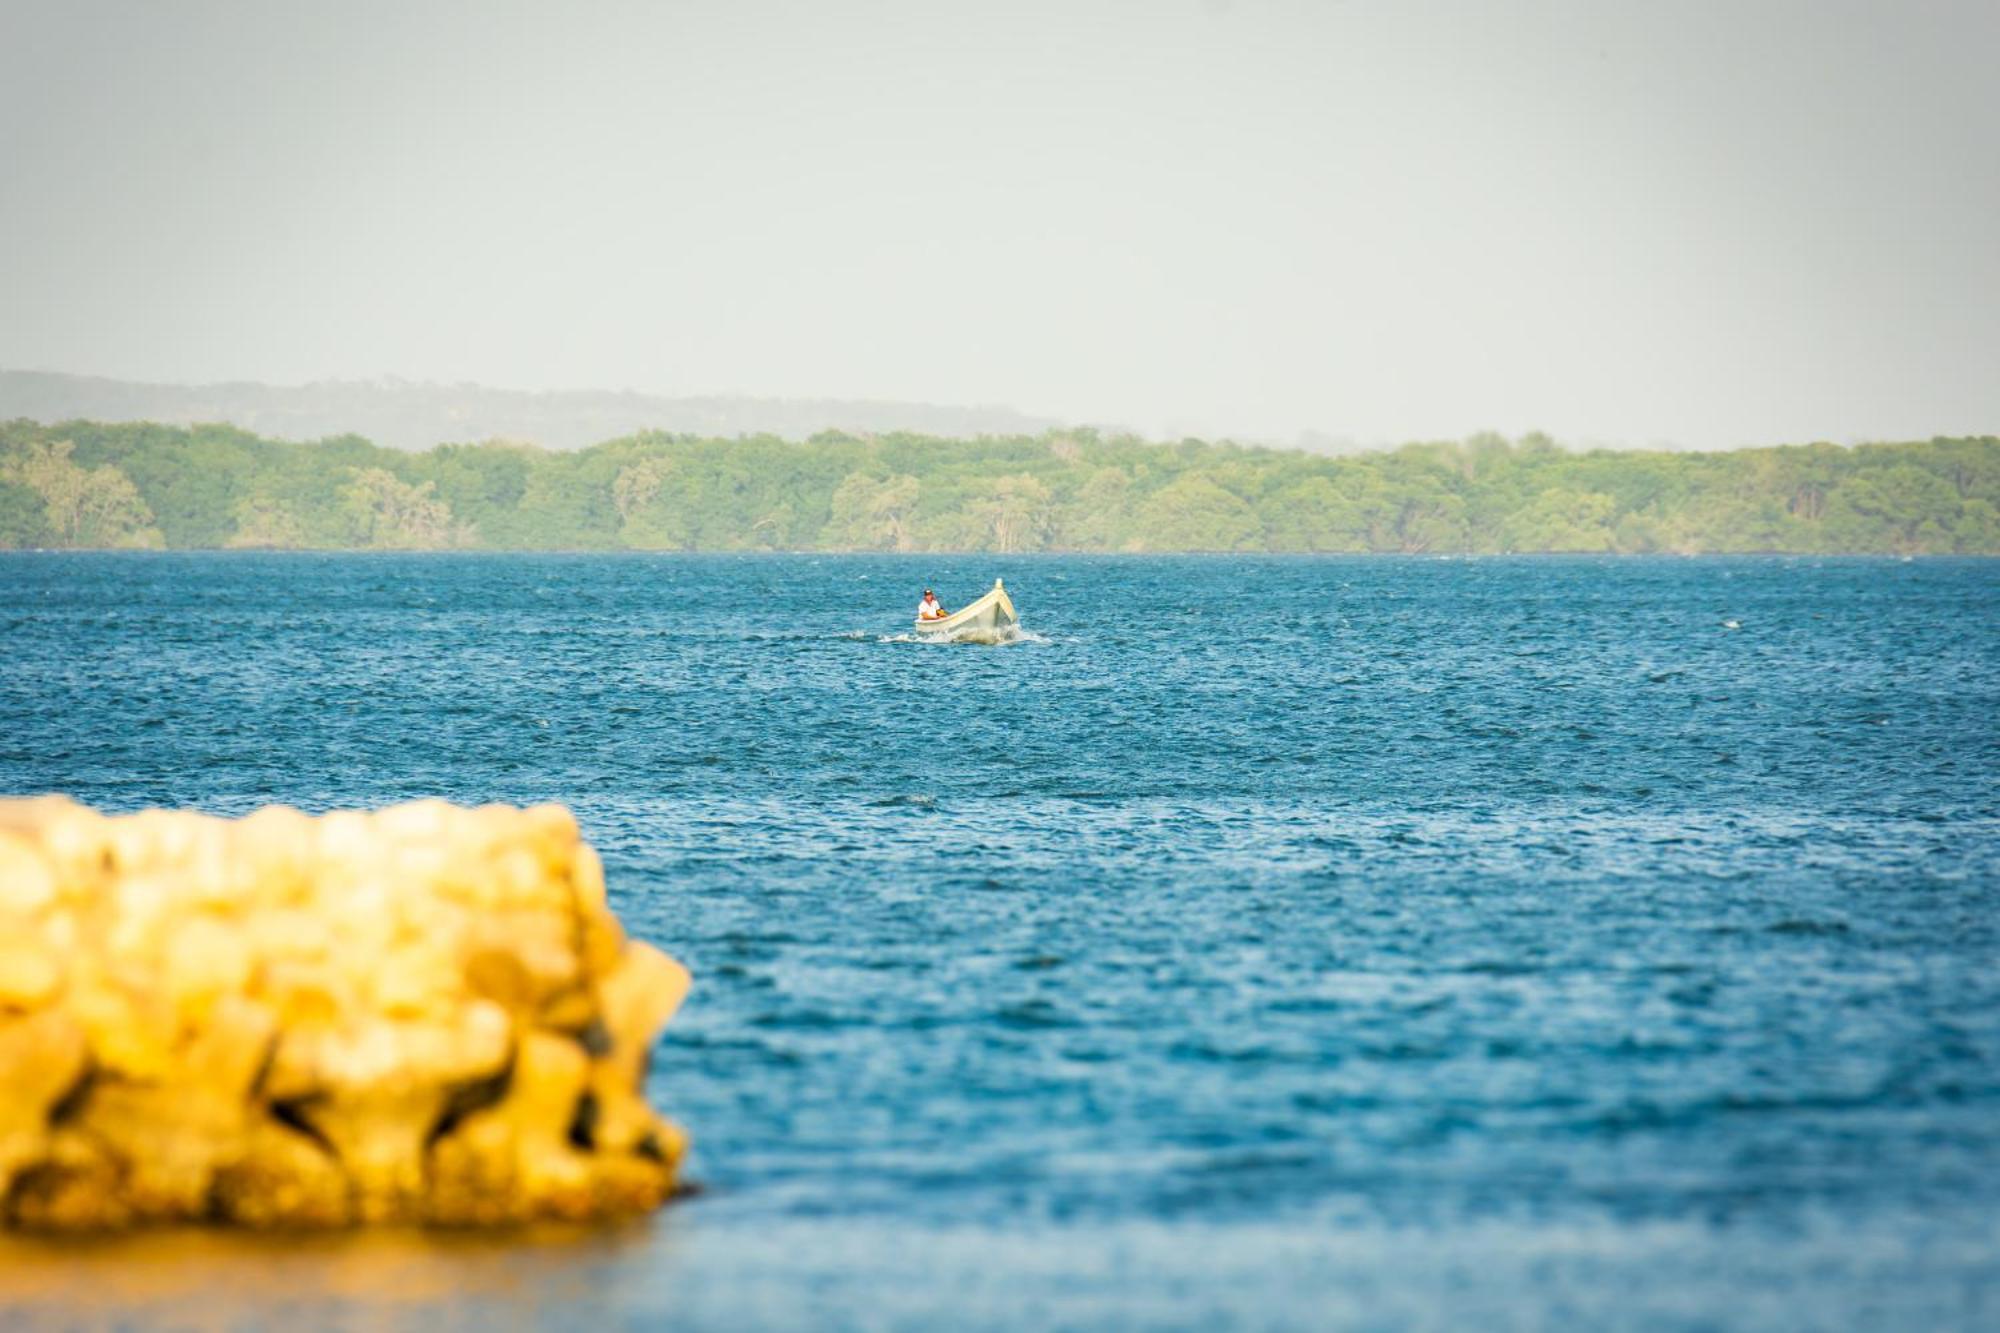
{"type": "Point", "coordinates": [928, 609]}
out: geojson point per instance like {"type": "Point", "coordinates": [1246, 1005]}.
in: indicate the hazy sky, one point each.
{"type": "Point", "coordinates": [1705, 223]}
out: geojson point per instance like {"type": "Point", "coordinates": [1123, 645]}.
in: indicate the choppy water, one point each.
{"type": "Point", "coordinates": [1279, 942]}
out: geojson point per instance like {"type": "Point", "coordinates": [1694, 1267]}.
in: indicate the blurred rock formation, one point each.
{"type": "Point", "coordinates": [424, 1014]}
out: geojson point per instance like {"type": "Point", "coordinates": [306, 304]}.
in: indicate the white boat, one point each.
{"type": "Point", "coordinates": [991, 617]}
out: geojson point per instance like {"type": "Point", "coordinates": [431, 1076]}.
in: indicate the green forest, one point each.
{"type": "Point", "coordinates": [92, 485]}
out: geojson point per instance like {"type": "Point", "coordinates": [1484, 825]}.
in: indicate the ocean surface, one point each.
{"type": "Point", "coordinates": [1274, 943]}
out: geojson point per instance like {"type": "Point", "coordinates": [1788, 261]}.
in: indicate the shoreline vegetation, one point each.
{"type": "Point", "coordinates": [92, 485]}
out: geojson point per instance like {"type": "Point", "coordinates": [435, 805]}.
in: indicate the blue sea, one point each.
{"type": "Point", "coordinates": [1268, 943]}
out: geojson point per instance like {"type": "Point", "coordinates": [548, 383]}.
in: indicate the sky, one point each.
{"type": "Point", "coordinates": [1691, 223]}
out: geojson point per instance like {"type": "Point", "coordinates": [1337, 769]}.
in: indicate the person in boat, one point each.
{"type": "Point", "coordinates": [928, 609]}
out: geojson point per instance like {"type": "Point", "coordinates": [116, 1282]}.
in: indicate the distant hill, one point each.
{"type": "Point", "coordinates": [409, 415]}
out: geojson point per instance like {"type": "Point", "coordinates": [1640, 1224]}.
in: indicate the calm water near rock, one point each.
{"type": "Point", "coordinates": [1375, 941]}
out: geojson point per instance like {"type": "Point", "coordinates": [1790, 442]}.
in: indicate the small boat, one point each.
{"type": "Point", "coordinates": [991, 617]}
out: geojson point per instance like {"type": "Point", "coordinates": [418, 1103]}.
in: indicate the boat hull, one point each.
{"type": "Point", "coordinates": [990, 618]}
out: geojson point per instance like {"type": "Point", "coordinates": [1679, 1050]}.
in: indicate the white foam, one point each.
{"type": "Point", "coordinates": [983, 638]}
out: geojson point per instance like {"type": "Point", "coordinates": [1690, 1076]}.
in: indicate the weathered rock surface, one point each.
{"type": "Point", "coordinates": [423, 1014]}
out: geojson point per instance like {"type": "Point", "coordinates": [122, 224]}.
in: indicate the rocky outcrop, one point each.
{"type": "Point", "coordinates": [425, 1014]}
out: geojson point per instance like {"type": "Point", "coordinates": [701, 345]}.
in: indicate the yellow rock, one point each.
{"type": "Point", "coordinates": [283, 1178]}
{"type": "Point", "coordinates": [41, 1059]}
{"type": "Point", "coordinates": [131, 1033]}
{"type": "Point", "coordinates": [306, 994]}
{"type": "Point", "coordinates": [586, 876]}
{"type": "Point", "coordinates": [538, 1151]}
{"type": "Point", "coordinates": [76, 839]}
{"type": "Point", "coordinates": [205, 961]}
{"type": "Point", "coordinates": [419, 822]}
{"type": "Point", "coordinates": [274, 851]}
{"type": "Point", "coordinates": [27, 881]}
{"type": "Point", "coordinates": [553, 822]}
{"type": "Point", "coordinates": [639, 996]}
{"type": "Point", "coordinates": [544, 944]}
{"type": "Point", "coordinates": [173, 1132]}
{"type": "Point", "coordinates": [427, 1013]}
{"type": "Point", "coordinates": [35, 815]}
{"type": "Point", "coordinates": [74, 1185]}
{"type": "Point", "coordinates": [287, 933]}
{"type": "Point", "coordinates": [29, 976]}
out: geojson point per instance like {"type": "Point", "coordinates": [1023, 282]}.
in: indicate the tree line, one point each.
{"type": "Point", "coordinates": [88, 484]}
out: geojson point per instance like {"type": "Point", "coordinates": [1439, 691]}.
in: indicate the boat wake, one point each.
{"type": "Point", "coordinates": [984, 637]}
